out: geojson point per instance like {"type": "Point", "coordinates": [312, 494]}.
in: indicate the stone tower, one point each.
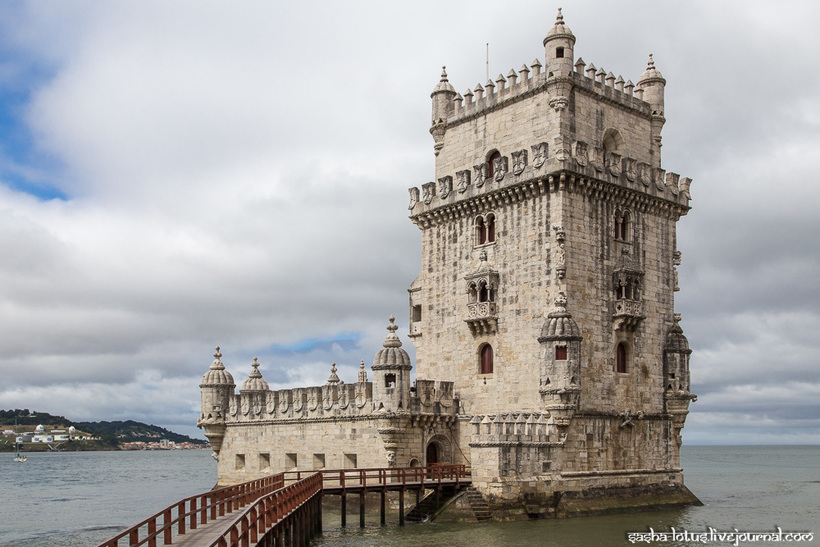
{"type": "Point", "coordinates": [546, 291]}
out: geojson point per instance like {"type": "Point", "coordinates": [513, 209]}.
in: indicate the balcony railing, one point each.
{"type": "Point", "coordinates": [482, 317]}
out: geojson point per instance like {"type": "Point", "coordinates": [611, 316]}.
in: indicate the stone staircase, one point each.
{"type": "Point", "coordinates": [478, 505]}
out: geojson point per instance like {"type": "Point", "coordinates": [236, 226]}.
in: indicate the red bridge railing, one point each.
{"type": "Point", "coordinates": [189, 513]}
{"type": "Point", "coordinates": [390, 478]}
{"type": "Point", "coordinates": [292, 515]}
{"type": "Point", "coordinates": [286, 506]}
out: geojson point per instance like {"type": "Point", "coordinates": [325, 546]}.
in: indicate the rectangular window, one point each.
{"type": "Point", "coordinates": [264, 462]}
{"type": "Point", "coordinates": [389, 380]}
{"type": "Point", "coordinates": [560, 353]}
{"type": "Point", "coordinates": [417, 312]}
{"type": "Point", "coordinates": [351, 461]}
{"type": "Point", "coordinates": [318, 461]}
{"type": "Point", "coordinates": [559, 52]}
{"type": "Point", "coordinates": [291, 461]}
{"type": "Point", "coordinates": [240, 461]}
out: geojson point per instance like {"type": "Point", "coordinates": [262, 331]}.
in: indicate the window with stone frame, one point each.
{"type": "Point", "coordinates": [620, 357]}
{"type": "Point", "coordinates": [486, 359]}
{"type": "Point", "coordinates": [622, 226]}
{"type": "Point", "coordinates": [560, 353]}
{"type": "Point", "coordinates": [484, 229]}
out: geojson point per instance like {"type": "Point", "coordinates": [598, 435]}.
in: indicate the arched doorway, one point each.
{"type": "Point", "coordinates": [432, 454]}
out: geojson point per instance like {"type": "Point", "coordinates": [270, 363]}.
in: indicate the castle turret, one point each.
{"type": "Point", "coordinates": [391, 374]}
{"type": "Point", "coordinates": [560, 383]}
{"type": "Point", "coordinates": [677, 396]}
{"type": "Point", "coordinates": [216, 389]}
{"type": "Point", "coordinates": [652, 85]}
{"type": "Point", "coordinates": [558, 48]}
{"type": "Point", "coordinates": [443, 96]}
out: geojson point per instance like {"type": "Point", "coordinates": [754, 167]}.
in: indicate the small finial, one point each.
{"type": "Point", "coordinates": [651, 63]}
{"type": "Point", "coordinates": [255, 372]}
{"type": "Point", "coordinates": [483, 256]}
{"type": "Point", "coordinates": [392, 327]}
{"type": "Point", "coordinates": [217, 355]}
{"type": "Point", "coordinates": [333, 378]}
{"type": "Point", "coordinates": [559, 19]}
{"type": "Point", "coordinates": [362, 372]}
{"type": "Point", "coordinates": [444, 74]}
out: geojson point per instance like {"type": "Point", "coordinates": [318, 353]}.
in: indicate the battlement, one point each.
{"type": "Point", "coordinates": [334, 401]}
{"type": "Point", "coordinates": [514, 429]}
{"type": "Point", "coordinates": [530, 80]}
{"type": "Point", "coordinates": [536, 165]}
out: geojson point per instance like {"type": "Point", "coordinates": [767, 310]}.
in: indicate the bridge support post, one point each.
{"type": "Point", "coordinates": [344, 509]}
{"type": "Point", "coordinates": [361, 508]}
{"type": "Point", "coordinates": [401, 507]}
{"type": "Point", "coordinates": [382, 508]}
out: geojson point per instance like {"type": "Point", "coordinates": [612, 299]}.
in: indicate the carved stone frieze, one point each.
{"type": "Point", "coordinates": [614, 164]}
{"type": "Point", "coordinates": [519, 160]}
{"type": "Point", "coordinates": [480, 172]}
{"type": "Point", "coordinates": [463, 180]}
{"type": "Point", "coordinates": [414, 197]}
{"type": "Point", "coordinates": [500, 167]}
{"type": "Point", "coordinates": [445, 186]}
{"type": "Point", "coordinates": [429, 189]}
{"type": "Point", "coordinates": [580, 153]}
{"type": "Point", "coordinates": [539, 154]}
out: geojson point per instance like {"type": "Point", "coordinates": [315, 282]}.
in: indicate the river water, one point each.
{"type": "Point", "coordinates": [83, 498]}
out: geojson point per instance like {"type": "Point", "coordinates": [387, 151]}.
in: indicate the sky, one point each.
{"type": "Point", "coordinates": [179, 175]}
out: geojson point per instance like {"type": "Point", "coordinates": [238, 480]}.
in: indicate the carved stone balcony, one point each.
{"type": "Point", "coordinates": [482, 317]}
{"type": "Point", "coordinates": [628, 314]}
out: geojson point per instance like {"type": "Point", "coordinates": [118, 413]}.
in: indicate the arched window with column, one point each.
{"type": "Point", "coordinates": [486, 359]}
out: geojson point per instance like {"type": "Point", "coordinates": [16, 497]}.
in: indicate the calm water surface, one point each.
{"type": "Point", "coordinates": [62, 499]}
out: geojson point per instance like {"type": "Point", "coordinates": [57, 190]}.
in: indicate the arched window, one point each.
{"type": "Point", "coordinates": [622, 222]}
{"type": "Point", "coordinates": [613, 141]}
{"type": "Point", "coordinates": [472, 293]}
{"type": "Point", "coordinates": [480, 231]}
{"type": "Point", "coordinates": [491, 163]}
{"type": "Point", "coordinates": [486, 358]}
{"type": "Point", "coordinates": [490, 228]}
{"type": "Point", "coordinates": [483, 293]}
{"type": "Point", "coordinates": [620, 358]}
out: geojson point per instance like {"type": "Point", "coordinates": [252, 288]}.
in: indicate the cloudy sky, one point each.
{"type": "Point", "coordinates": [176, 175]}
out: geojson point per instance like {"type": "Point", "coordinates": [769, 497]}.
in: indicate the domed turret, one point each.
{"type": "Point", "coordinates": [216, 389]}
{"type": "Point", "coordinates": [443, 95]}
{"type": "Point", "coordinates": [558, 48]}
{"type": "Point", "coordinates": [255, 382]}
{"type": "Point", "coordinates": [391, 373]}
{"type": "Point", "coordinates": [652, 85]}
{"type": "Point", "coordinates": [560, 383]}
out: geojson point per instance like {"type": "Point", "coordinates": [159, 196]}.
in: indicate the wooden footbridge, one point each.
{"type": "Point", "coordinates": [283, 509]}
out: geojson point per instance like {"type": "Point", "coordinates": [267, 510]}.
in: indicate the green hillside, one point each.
{"type": "Point", "coordinates": [110, 433]}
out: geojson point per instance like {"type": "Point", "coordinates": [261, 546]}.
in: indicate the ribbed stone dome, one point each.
{"type": "Point", "coordinates": [392, 355]}
{"type": "Point", "coordinates": [675, 340]}
{"type": "Point", "coordinates": [255, 382]}
{"type": "Point", "coordinates": [559, 324]}
{"type": "Point", "coordinates": [651, 74]}
{"type": "Point", "coordinates": [217, 375]}
{"type": "Point", "coordinates": [559, 30]}
{"type": "Point", "coordinates": [443, 84]}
